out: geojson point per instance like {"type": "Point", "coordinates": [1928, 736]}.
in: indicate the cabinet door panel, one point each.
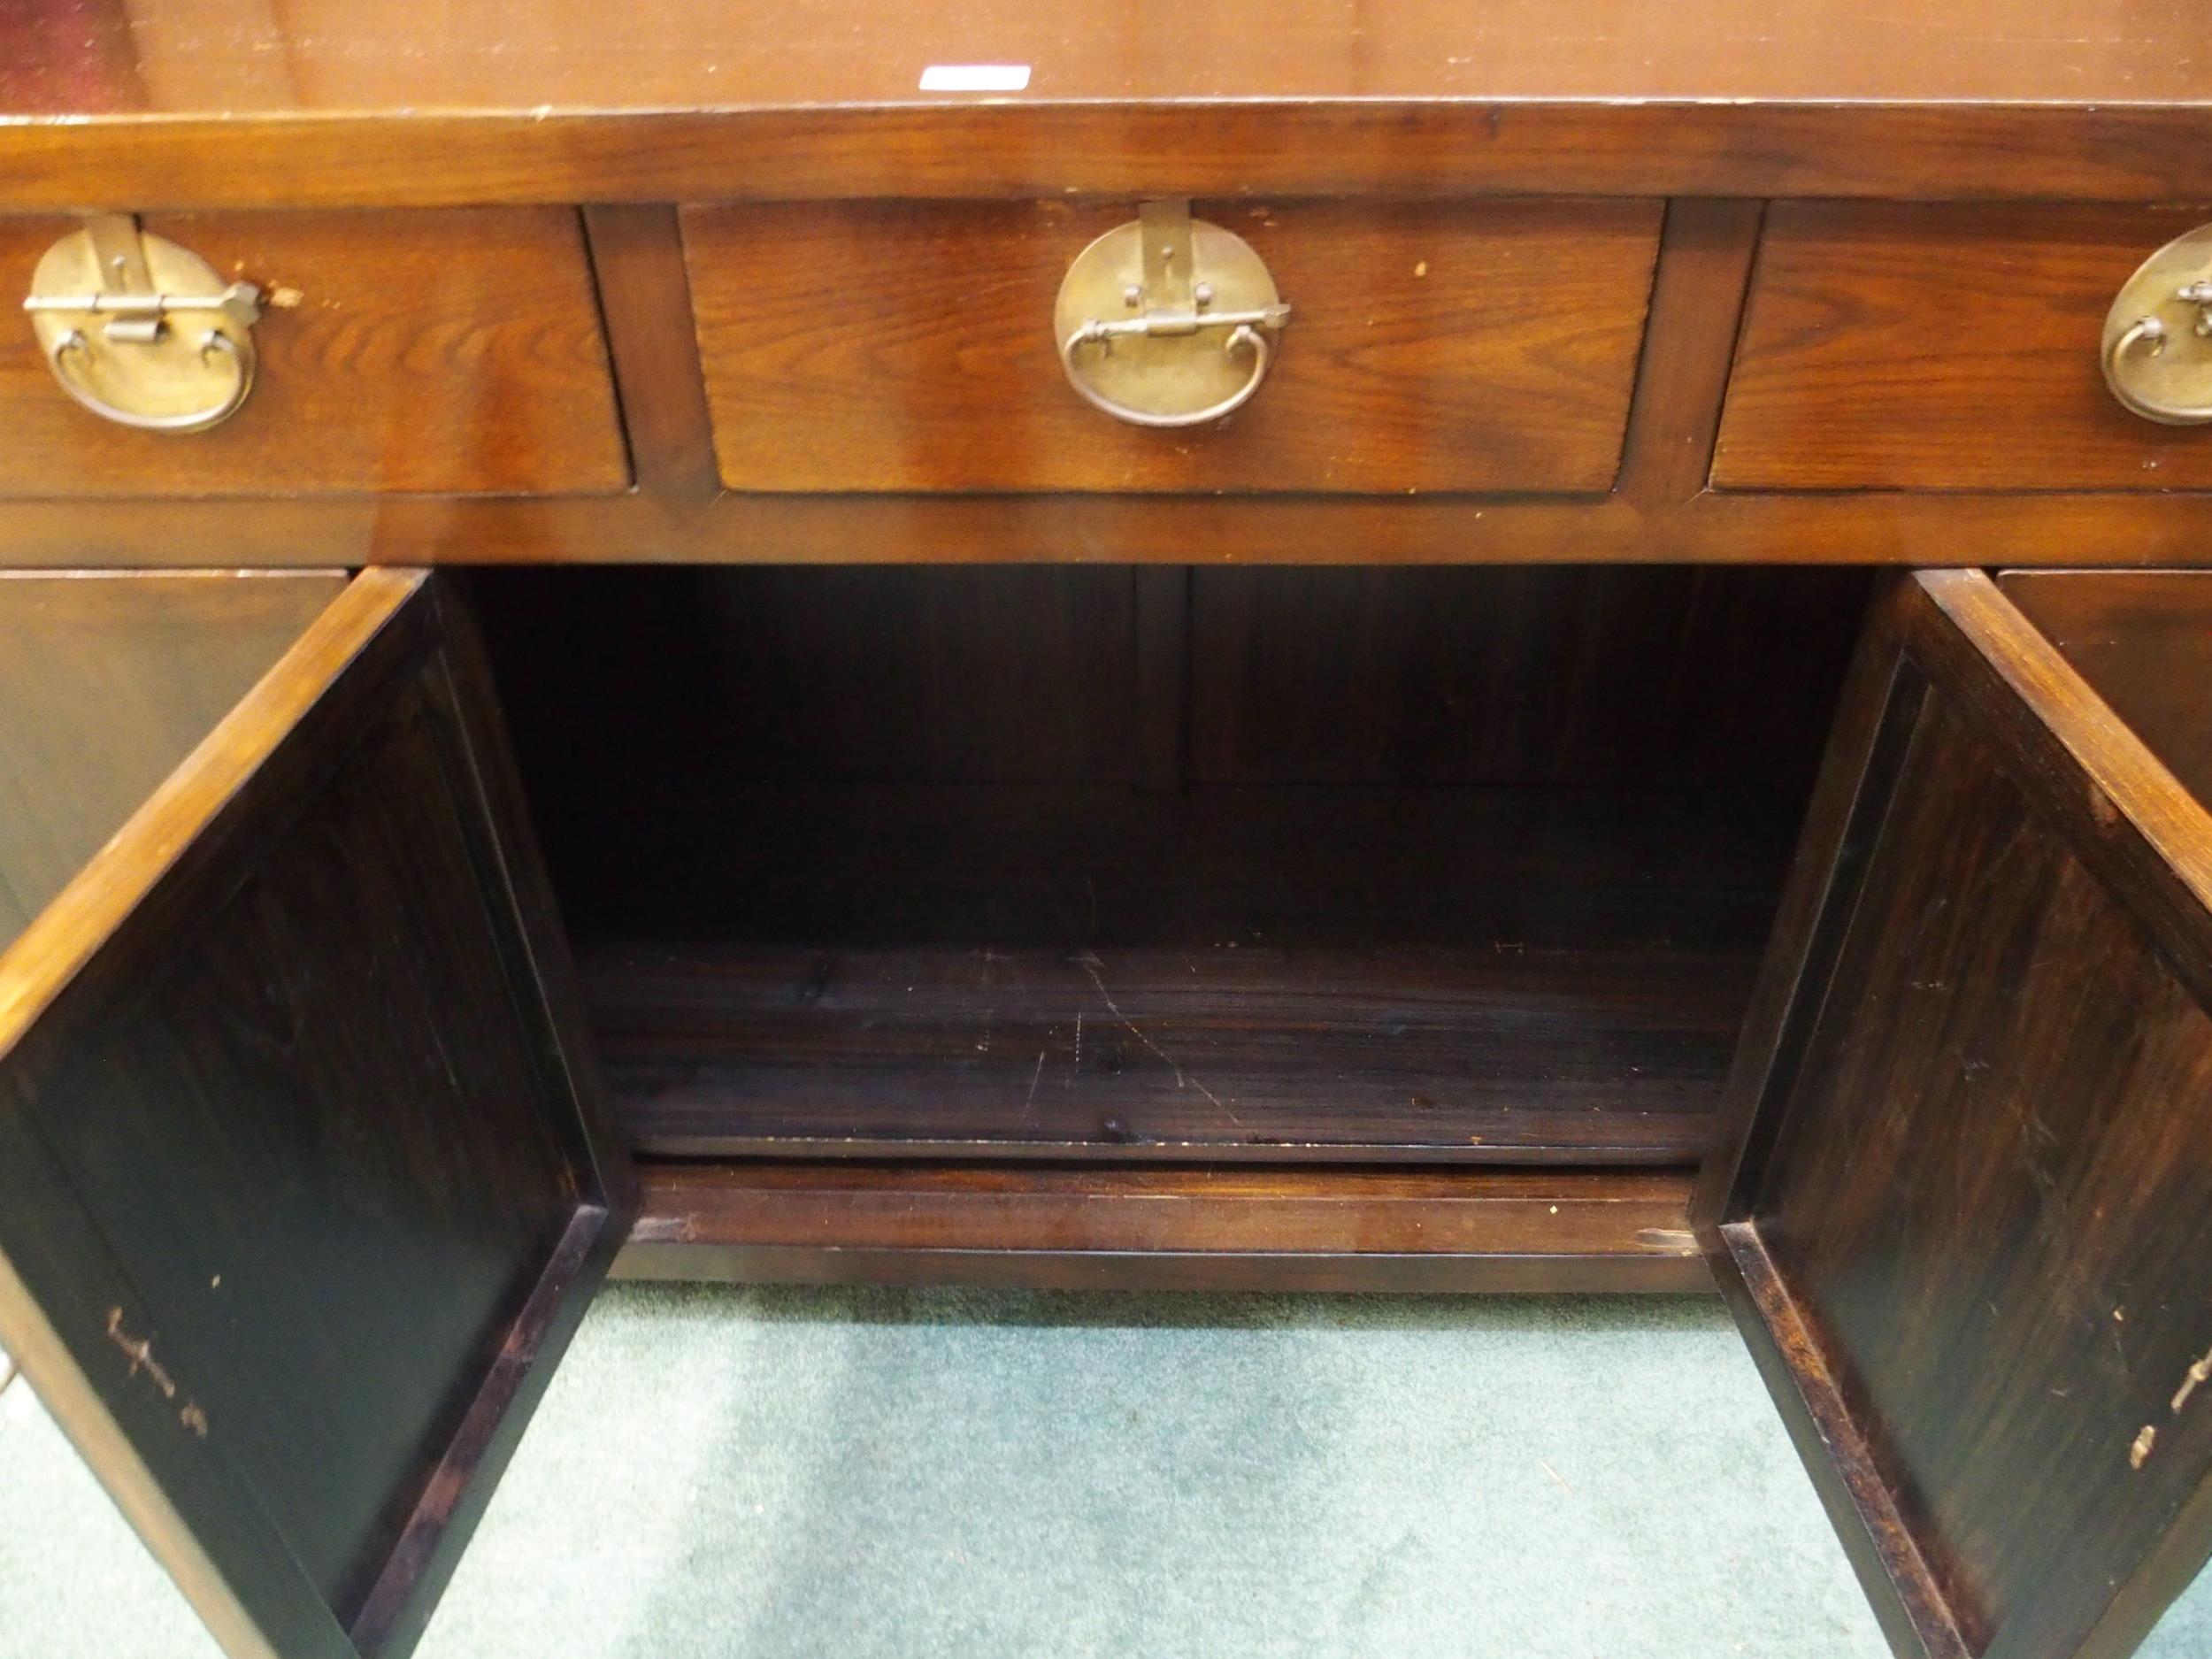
{"type": "Point", "coordinates": [304, 1179]}
{"type": "Point", "coordinates": [1967, 1223]}
{"type": "Point", "coordinates": [107, 682]}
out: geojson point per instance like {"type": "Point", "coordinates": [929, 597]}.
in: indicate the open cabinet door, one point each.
{"type": "Point", "coordinates": [303, 1177]}
{"type": "Point", "coordinates": [1965, 1217]}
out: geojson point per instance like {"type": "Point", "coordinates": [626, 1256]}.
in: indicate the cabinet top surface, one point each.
{"type": "Point", "coordinates": [240, 57]}
{"type": "Point", "coordinates": [204, 101]}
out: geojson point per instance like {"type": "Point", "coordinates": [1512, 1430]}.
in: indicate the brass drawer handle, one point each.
{"type": "Point", "coordinates": [2158, 334]}
{"type": "Point", "coordinates": [72, 347]}
{"type": "Point", "coordinates": [1186, 281]}
{"type": "Point", "coordinates": [141, 332]}
{"type": "Point", "coordinates": [1245, 333]}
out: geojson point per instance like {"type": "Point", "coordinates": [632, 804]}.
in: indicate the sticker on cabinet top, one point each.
{"type": "Point", "coordinates": [975, 78]}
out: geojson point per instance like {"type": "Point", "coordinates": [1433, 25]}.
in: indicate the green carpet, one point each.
{"type": "Point", "coordinates": [970, 1475]}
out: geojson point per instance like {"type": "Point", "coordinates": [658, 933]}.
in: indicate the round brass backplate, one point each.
{"type": "Point", "coordinates": [2156, 360]}
{"type": "Point", "coordinates": [1164, 376]}
{"type": "Point", "coordinates": [172, 382]}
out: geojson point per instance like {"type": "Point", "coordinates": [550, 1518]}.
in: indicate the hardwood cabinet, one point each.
{"type": "Point", "coordinates": [1375, 837]}
{"type": "Point", "coordinates": [311, 1163]}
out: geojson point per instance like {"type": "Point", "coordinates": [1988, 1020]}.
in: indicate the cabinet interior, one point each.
{"type": "Point", "coordinates": [1103, 863]}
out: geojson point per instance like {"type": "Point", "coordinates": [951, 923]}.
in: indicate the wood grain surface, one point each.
{"type": "Point", "coordinates": [1967, 1202]}
{"type": "Point", "coordinates": [107, 682]}
{"type": "Point", "coordinates": [202, 101]}
{"type": "Point", "coordinates": [431, 352]}
{"type": "Point", "coordinates": [1243, 1050]}
{"type": "Point", "coordinates": [2116, 529]}
{"type": "Point", "coordinates": [1661, 677]}
{"type": "Point", "coordinates": [179, 55]}
{"type": "Point", "coordinates": [1277, 1230]}
{"type": "Point", "coordinates": [1899, 347]}
{"type": "Point", "coordinates": [302, 1193]}
{"type": "Point", "coordinates": [1476, 346]}
{"type": "Point", "coordinates": [2142, 641]}
{"type": "Point", "coordinates": [1037, 674]}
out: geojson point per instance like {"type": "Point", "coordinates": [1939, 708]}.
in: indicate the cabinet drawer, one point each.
{"type": "Point", "coordinates": [451, 351]}
{"type": "Point", "coordinates": [1468, 346]}
{"type": "Point", "coordinates": [1931, 347]}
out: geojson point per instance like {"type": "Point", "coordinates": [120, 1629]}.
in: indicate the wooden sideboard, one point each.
{"type": "Point", "coordinates": [659, 734]}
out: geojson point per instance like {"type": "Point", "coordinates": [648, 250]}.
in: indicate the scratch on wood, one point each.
{"type": "Point", "coordinates": [140, 1351]}
{"type": "Point", "coordinates": [2140, 1452]}
{"type": "Point", "coordinates": [1035, 1079]}
{"type": "Point", "coordinates": [2192, 1380]}
{"type": "Point", "coordinates": [1090, 966]}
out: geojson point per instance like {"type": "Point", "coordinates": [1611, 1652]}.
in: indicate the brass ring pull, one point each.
{"type": "Point", "coordinates": [72, 345]}
{"type": "Point", "coordinates": [1242, 334]}
{"type": "Point", "coordinates": [2157, 342]}
{"type": "Point", "coordinates": [2150, 334]}
{"type": "Point", "coordinates": [1167, 321]}
{"type": "Point", "coordinates": [141, 332]}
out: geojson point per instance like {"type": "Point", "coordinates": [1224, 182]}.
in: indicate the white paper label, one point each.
{"type": "Point", "coordinates": [975, 78]}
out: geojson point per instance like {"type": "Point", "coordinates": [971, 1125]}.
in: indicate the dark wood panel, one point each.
{"type": "Point", "coordinates": [1969, 1201]}
{"type": "Point", "coordinates": [701, 682]}
{"type": "Point", "coordinates": [1921, 348]}
{"type": "Point", "coordinates": [2142, 642]}
{"type": "Point", "coordinates": [1488, 1053]}
{"type": "Point", "coordinates": [1468, 346]}
{"type": "Point", "coordinates": [447, 1181]}
{"type": "Point", "coordinates": [791, 813]}
{"type": "Point", "coordinates": [1342, 1230]}
{"type": "Point", "coordinates": [1004, 867]}
{"type": "Point", "coordinates": [305, 1186]}
{"type": "Point", "coordinates": [106, 683]}
{"type": "Point", "coordinates": [670, 684]}
{"type": "Point", "coordinates": [1014, 674]}
{"type": "Point", "coordinates": [443, 352]}
{"type": "Point", "coordinates": [1661, 676]}
{"type": "Point", "coordinates": [1553, 971]}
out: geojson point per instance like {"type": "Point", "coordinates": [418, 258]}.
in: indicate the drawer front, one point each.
{"type": "Point", "coordinates": [450, 351]}
{"type": "Point", "coordinates": [1470, 346]}
{"type": "Point", "coordinates": [1934, 347]}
